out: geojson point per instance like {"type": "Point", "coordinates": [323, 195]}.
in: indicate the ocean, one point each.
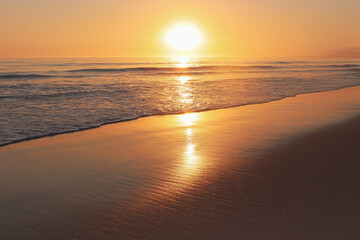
{"type": "Point", "coordinates": [47, 96]}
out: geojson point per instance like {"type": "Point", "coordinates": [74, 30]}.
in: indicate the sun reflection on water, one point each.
{"type": "Point", "coordinates": [182, 61]}
{"type": "Point", "coordinates": [183, 79]}
{"type": "Point", "coordinates": [190, 163]}
{"type": "Point", "coordinates": [190, 149]}
{"type": "Point", "coordinates": [188, 132]}
{"type": "Point", "coordinates": [184, 90]}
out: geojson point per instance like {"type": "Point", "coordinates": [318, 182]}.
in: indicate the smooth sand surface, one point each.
{"type": "Point", "coordinates": [287, 169]}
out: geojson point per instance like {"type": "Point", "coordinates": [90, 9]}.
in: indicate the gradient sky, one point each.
{"type": "Point", "coordinates": [248, 28]}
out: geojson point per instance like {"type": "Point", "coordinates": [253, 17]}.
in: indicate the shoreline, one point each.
{"type": "Point", "coordinates": [285, 169]}
{"type": "Point", "coordinates": [165, 114]}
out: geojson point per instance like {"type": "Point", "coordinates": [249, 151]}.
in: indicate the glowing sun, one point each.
{"type": "Point", "coordinates": [183, 37]}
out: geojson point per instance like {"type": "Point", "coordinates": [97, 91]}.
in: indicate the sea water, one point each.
{"type": "Point", "coordinates": [42, 97]}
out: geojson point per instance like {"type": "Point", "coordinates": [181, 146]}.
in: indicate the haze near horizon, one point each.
{"type": "Point", "coordinates": [230, 28]}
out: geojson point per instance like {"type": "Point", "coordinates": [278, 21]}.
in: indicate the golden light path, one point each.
{"type": "Point", "coordinates": [182, 61]}
{"type": "Point", "coordinates": [188, 118]}
{"type": "Point", "coordinates": [191, 158]}
{"type": "Point", "coordinates": [191, 165]}
{"type": "Point", "coordinates": [183, 79]}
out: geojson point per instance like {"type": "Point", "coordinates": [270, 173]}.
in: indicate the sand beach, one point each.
{"type": "Point", "coordinates": [286, 169]}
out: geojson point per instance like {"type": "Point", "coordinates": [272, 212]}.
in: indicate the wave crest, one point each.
{"type": "Point", "coordinates": [174, 69]}
{"type": "Point", "coordinates": [12, 76]}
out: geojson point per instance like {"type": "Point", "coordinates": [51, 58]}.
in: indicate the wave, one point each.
{"type": "Point", "coordinates": [209, 69]}
{"type": "Point", "coordinates": [174, 69]}
{"type": "Point", "coordinates": [341, 66]}
{"type": "Point", "coordinates": [95, 64]}
{"type": "Point", "coordinates": [286, 62]}
{"type": "Point", "coordinates": [37, 76]}
{"type": "Point", "coordinates": [12, 76]}
{"type": "Point", "coordinates": [193, 73]}
{"type": "Point", "coordinates": [61, 94]}
{"type": "Point", "coordinates": [49, 134]}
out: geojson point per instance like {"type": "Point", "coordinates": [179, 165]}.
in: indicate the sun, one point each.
{"type": "Point", "coordinates": [183, 37]}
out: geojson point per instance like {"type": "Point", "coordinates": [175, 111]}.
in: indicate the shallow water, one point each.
{"type": "Point", "coordinates": [40, 97]}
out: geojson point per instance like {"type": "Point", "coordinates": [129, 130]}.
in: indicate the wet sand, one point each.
{"type": "Point", "coordinates": [287, 169]}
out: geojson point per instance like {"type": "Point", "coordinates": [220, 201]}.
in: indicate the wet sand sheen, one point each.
{"type": "Point", "coordinates": [281, 170]}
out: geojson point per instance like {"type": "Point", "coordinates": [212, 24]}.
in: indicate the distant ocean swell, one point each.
{"type": "Point", "coordinates": [47, 97]}
{"type": "Point", "coordinates": [12, 76]}
{"type": "Point", "coordinates": [177, 70]}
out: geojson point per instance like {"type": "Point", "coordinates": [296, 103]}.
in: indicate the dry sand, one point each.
{"type": "Point", "coordinates": [281, 170]}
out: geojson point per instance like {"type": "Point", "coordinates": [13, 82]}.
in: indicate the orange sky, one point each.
{"type": "Point", "coordinates": [257, 28]}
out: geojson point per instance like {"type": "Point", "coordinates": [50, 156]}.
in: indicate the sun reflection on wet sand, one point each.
{"type": "Point", "coordinates": [189, 165]}
{"type": "Point", "coordinates": [190, 156]}
{"type": "Point", "coordinates": [192, 163]}
{"type": "Point", "coordinates": [188, 119]}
